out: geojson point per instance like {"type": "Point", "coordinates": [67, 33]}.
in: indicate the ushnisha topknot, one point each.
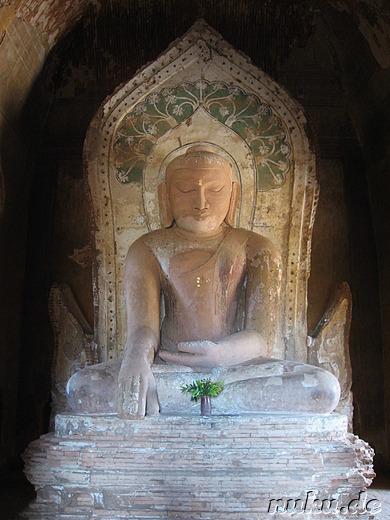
{"type": "Point", "coordinates": [203, 156]}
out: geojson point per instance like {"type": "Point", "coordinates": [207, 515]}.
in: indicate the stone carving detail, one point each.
{"type": "Point", "coordinates": [73, 348]}
{"type": "Point", "coordinates": [245, 113]}
{"type": "Point", "coordinates": [328, 347]}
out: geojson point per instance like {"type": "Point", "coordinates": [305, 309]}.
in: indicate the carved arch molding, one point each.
{"type": "Point", "coordinates": [200, 90]}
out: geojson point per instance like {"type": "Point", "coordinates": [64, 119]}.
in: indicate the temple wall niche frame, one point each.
{"type": "Point", "coordinates": [200, 90]}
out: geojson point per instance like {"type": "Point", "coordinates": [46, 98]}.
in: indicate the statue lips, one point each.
{"type": "Point", "coordinates": [201, 215]}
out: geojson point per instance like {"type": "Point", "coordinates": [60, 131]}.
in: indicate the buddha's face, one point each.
{"type": "Point", "coordinates": [199, 197]}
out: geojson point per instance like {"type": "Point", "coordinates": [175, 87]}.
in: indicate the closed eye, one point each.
{"type": "Point", "coordinates": [186, 191]}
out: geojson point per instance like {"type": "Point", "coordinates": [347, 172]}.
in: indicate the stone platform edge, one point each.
{"type": "Point", "coordinates": [71, 425]}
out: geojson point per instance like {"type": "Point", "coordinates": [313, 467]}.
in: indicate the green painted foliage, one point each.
{"type": "Point", "coordinates": [242, 112]}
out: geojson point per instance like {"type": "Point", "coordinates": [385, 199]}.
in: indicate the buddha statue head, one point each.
{"type": "Point", "coordinates": [198, 193]}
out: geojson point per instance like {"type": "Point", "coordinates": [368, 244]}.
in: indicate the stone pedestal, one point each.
{"type": "Point", "coordinates": [221, 467]}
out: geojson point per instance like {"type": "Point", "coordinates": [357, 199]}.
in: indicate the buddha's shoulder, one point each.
{"type": "Point", "coordinates": [154, 239]}
{"type": "Point", "coordinates": [253, 239]}
{"type": "Point", "coordinates": [256, 244]}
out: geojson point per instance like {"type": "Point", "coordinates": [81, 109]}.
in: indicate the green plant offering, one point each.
{"type": "Point", "coordinates": [203, 388]}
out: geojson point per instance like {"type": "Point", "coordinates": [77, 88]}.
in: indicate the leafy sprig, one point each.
{"type": "Point", "coordinates": [203, 388]}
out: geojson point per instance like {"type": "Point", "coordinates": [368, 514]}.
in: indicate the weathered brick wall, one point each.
{"type": "Point", "coordinates": [193, 467]}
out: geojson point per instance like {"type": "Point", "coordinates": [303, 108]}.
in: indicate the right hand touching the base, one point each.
{"type": "Point", "coordinates": [137, 386]}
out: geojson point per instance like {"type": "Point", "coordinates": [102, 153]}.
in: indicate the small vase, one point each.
{"type": "Point", "coordinates": [205, 405]}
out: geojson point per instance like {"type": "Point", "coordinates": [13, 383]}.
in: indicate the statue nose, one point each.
{"type": "Point", "coordinates": [201, 202]}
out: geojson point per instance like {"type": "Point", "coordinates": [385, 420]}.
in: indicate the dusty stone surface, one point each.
{"type": "Point", "coordinates": [220, 467]}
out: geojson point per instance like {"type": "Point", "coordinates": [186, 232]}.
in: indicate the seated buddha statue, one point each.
{"type": "Point", "coordinates": [219, 287]}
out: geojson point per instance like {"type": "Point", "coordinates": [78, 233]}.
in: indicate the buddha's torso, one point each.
{"type": "Point", "coordinates": [201, 282]}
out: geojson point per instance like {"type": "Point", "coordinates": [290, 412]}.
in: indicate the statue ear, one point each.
{"type": "Point", "coordinates": [165, 208]}
{"type": "Point", "coordinates": [234, 200]}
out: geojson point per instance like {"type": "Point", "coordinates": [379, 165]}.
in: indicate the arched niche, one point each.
{"type": "Point", "coordinates": [200, 90]}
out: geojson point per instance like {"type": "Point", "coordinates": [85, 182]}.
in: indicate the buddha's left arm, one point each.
{"type": "Point", "coordinates": [264, 272]}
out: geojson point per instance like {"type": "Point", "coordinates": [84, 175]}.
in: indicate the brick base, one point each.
{"type": "Point", "coordinates": [222, 467]}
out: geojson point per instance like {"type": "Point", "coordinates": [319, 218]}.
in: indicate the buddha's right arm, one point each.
{"type": "Point", "coordinates": [136, 382]}
{"type": "Point", "coordinates": [142, 286]}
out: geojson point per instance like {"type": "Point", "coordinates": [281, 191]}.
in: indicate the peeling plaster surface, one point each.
{"type": "Point", "coordinates": [54, 17]}
{"type": "Point", "coordinates": [28, 30]}
{"type": "Point", "coordinates": [26, 59]}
